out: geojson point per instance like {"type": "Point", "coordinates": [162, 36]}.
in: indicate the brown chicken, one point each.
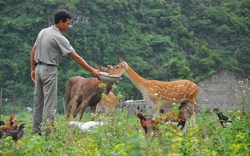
{"type": "Point", "coordinates": [11, 125]}
{"type": "Point", "coordinates": [185, 113]}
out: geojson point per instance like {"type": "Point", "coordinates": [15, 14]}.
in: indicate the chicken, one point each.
{"type": "Point", "coordinates": [151, 125]}
{"type": "Point", "coordinates": [180, 119]}
{"type": "Point", "coordinates": [147, 125]}
{"type": "Point", "coordinates": [1, 134]}
{"type": "Point", "coordinates": [2, 123]}
{"type": "Point", "coordinates": [85, 126]}
{"type": "Point", "coordinates": [11, 125]}
{"type": "Point", "coordinates": [224, 120]}
{"type": "Point", "coordinates": [240, 115]}
{"type": "Point", "coordinates": [163, 111]}
{"type": "Point", "coordinates": [16, 134]}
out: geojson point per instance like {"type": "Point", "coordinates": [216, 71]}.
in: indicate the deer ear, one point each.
{"type": "Point", "coordinates": [110, 67]}
{"type": "Point", "coordinates": [121, 59]}
{"type": "Point", "coordinates": [124, 63]}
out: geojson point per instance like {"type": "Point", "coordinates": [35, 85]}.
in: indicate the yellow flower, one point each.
{"type": "Point", "coordinates": [174, 154]}
{"type": "Point", "coordinates": [214, 153]}
{"type": "Point", "coordinates": [206, 150]}
{"type": "Point", "coordinates": [95, 149]}
{"type": "Point", "coordinates": [8, 153]}
{"type": "Point", "coordinates": [176, 145]}
{"type": "Point", "coordinates": [191, 132]}
{"type": "Point", "coordinates": [177, 139]}
{"type": "Point", "coordinates": [86, 153]}
{"type": "Point", "coordinates": [179, 134]}
{"type": "Point", "coordinates": [234, 146]}
{"type": "Point", "coordinates": [117, 147]}
{"type": "Point", "coordinates": [241, 135]}
{"type": "Point", "coordinates": [20, 143]}
{"type": "Point", "coordinates": [169, 134]}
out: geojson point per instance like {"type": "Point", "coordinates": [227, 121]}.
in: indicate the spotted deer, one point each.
{"type": "Point", "coordinates": [157, 93]}
{"type": "Point", "coordinates": [107, 105]}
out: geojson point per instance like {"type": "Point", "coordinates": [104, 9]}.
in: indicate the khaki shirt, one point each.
{"type": "Point", "coordinates": [51, 45]}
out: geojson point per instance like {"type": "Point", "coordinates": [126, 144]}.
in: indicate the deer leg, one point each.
{"type": "Point", "coordinates": [71, 107]}
{"type": "Point", "coordinates": [92, 112]}
{"type": "Point", "coordinates": [156, 111]}
{"type": "Point", "coordinates": [77, 109]}
{"type": "Point", "coordinates": [194, 102]}
{"type": "Point", "coordinates": [76, 112]}
{"type": "Point", "coordinates": [82, 109]}
{"type": "Point", "coordinates": [109, 112]}
{"type": "Point", "coordinates": [68, 112]}
{"type": "Point", "coordinates": [81, 113]}
{"type": "Point", "coordinates": [185, 127]}
{"type": "Point", "coordinates": [106, 110]}
{"type": "Point", "coordinates": [113, 111]}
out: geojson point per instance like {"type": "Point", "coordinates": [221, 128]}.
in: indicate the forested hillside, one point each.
{"type": "Point", "coordinates": [159, 39]}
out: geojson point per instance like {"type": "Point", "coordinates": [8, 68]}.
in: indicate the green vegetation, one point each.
{"type": "Point", "coordinates": [124, 136]}
{"type": "Point", "coordinates": [160, 39]}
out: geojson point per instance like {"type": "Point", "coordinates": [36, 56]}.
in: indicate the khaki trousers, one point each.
{"type": "Point", "coordinates": [45, 96]}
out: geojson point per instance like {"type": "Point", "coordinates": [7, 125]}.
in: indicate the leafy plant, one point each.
{"type": "Point", "coordinates": [123, 135]}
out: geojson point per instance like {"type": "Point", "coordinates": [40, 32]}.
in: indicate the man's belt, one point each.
{"type": "Point", "coordinates": [41, 63]}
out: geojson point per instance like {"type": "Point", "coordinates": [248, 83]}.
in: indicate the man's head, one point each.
{"type": "Point", "coordinates": [62, 19]}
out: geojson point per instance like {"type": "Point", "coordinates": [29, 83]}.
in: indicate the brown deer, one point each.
{"type": "Point", "coordinates": [155, 92]}
{"type": "Point", "coordinates": [83, 92]}
{"type": "Point", "coordinates": [107, 105]}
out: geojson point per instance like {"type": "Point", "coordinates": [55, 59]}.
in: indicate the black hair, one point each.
{"type": "Point", "coordinates": [61, 15]}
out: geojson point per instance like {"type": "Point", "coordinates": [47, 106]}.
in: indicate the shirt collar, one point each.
{"type": "Point", "coordinates": [55, 28]}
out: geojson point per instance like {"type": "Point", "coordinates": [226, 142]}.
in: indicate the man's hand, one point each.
{"type": "Point", "coordinates": [95, 73]}
{"type": "Point", "coordinates": [32, 75]}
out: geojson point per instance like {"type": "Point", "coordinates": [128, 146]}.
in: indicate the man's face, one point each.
{"type": "Point", "coordinates": [64, 26]}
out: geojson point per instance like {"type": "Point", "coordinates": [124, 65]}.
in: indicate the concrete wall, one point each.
{"type": "Point", "coordinates": [223, 90]}
{"type": "Point", "coordinates": [134, 106]}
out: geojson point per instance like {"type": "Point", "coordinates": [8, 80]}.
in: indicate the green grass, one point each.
{"type": "Point", "coordinates": [123, 136]}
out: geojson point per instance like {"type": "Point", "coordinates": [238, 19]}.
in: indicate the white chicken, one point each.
{"type": "Point", "coordinates": [85, 126]}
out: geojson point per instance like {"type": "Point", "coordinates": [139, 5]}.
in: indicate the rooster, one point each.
{"type": "Point", "coordinates": [224, 120]}
{"type": "Point", "coordinates": [147, 125]}
{"type": "Point", "coordinates": [11, 125]}
{"type": "Point", "coordinates": [185, 113]}
{"type": "Point", "coordinates": [16, 134]}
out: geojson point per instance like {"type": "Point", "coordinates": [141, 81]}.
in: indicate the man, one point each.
{"type": "Point", "coordinates": [49, 46]}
